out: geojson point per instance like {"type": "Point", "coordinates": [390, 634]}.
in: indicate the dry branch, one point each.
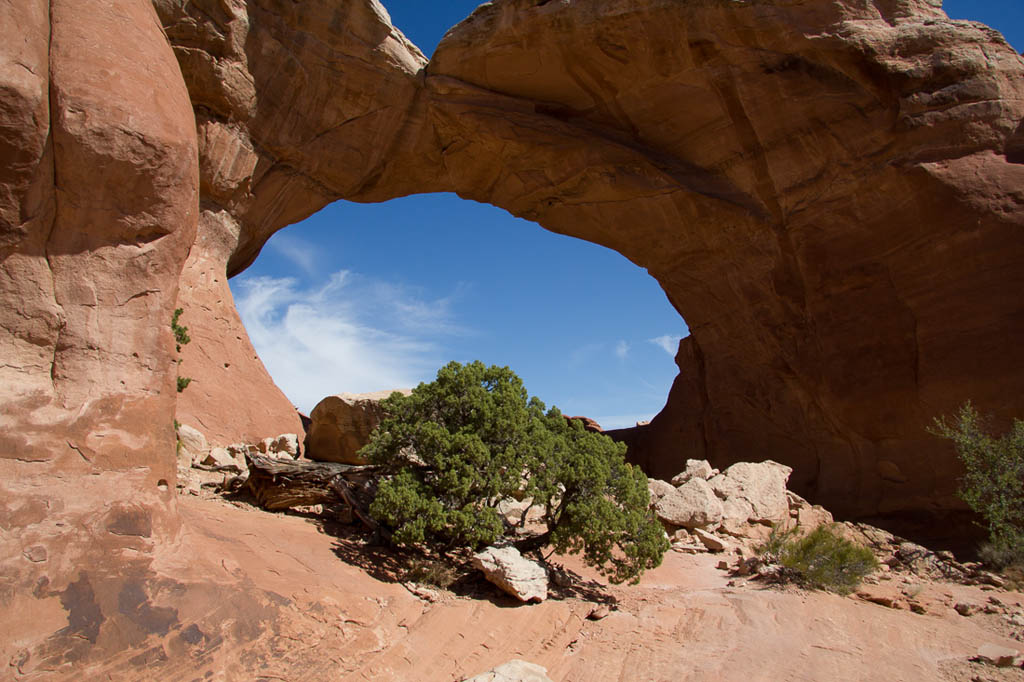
{"type": "Point", "coordinates": [282, 484]}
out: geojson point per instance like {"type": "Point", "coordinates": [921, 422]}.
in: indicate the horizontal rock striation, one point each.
{"type": "Point", "coordinates": [831, 194]}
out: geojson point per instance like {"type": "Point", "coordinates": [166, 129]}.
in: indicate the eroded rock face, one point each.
{"type": "Point", "coordinates": [99, 195]}
{"type": "Point", "coordinates": [803, 180]}
{"type": "Point", "coordinates": [830, 193]}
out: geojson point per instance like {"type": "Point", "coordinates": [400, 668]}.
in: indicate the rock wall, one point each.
{"type": "Point", "coordinates": [829, 192]}
{"type": "Point", "coordinates": [804, 180]}
{"type": "Point", "coordinates": [98, 207]}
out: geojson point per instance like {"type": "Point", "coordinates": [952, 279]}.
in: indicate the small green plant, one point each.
{"type": "Point", "coordinates": [181, 338]}
{"type": "Point", "coordinates": [455, 448]}
{"type": "Point", "coordinates": [821, 560]}
{"type": "Point", "coordinates": [993, 481]}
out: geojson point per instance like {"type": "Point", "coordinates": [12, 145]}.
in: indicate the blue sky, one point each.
{"type": "Point", "coordinates": [362, 298]}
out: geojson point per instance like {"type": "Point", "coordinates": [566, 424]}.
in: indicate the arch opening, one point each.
{"type": "Point", "coordinates": [369, 297]}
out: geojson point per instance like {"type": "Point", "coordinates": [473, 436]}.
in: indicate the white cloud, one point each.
{"type": "Point", "coordinates": [668, 343]}
{"type": "Point", "coordinates": [301, 253]}
{"type": "Point", "coordinates": [622, 350]}
{"type": "Point", "coordinates": [349, 334]}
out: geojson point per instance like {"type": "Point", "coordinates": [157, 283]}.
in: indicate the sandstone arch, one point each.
{"type": "Point", "coordinates": [800, 181]}
{"type": "Point", "coordinates": [831, 193]}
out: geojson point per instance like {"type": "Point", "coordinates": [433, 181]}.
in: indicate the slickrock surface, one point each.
{"type": "Point", "coordinates": [219, 600]}
{"type": "Point", "coordinates": [831, 193]}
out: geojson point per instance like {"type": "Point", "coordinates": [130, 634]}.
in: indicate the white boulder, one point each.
{"type": "Point", "coordinates": [691, 505]}
{"type": "Point", "coordinates": [762, 485]}
{"type": "Point", "coordinates": [695, 468]}
{"type": "Point", "coordinates": [513, 671]}
{"type": "Point", "coordinates": [192, 445]}
{"type": "Point", "coordinates": [515, 574]}
{"type": "Point", "coordinates": [222, 459]}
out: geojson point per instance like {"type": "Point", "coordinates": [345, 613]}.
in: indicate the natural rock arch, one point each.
{"type": "Point", "coordinates": [801, 181]}
{"type": "Point", "coordinates": [830, 192]}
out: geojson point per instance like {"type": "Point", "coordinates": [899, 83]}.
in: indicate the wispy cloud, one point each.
{"type": "Point", "coordinates": [301, 253]}
{"type": "Point", "coordinates": [622, 350]}
{"type": "Point", "coordinates": [347, 334]}
{"type": "Point", "coordinates": [668, 343]}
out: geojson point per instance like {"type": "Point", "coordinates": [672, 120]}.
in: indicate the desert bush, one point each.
{"type": "Point", "coordinates": [181, 338]}
{"type": "Point", "coordinates": [456, 447]}
{"type": "Point", "coordinates": [428, 571]}
{"type": "Point", "coordinates": [821, 560]}
{"type": "Point", "coordinates": [993, 481]}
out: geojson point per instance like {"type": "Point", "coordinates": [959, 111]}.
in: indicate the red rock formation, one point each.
{"type": "Point", "coordinates": [831, 193]}
{"type": "Point", "coordinates": [98, 208]}
{"type": "Point", "coordinates": [804, 182]}
{"type": "Point", "coordinates": [588, 423]}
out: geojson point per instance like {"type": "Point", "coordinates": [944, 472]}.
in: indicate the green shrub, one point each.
{"type": "Point", "coordinates": [458, 446]}
{"type": "Point", "coordinates": [181, 338]}
{"type": "Point", "coordinates": [993, 481]}
{"type": "Point", "coordinates": [821, 560]}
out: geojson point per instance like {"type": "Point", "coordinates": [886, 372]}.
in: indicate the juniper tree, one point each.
{"type": "Point", "coordinates": [458, 446]}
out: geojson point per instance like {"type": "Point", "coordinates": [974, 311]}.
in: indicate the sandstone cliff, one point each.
{"type": "Point", "coordinates": [829, 192]}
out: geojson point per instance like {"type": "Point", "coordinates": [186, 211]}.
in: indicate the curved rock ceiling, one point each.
{"type": "Point", "coordinates": [830, 192]}
{"type": "Point", "coordinates": [826, 191]}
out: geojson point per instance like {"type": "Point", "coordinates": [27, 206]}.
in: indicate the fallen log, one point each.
{"type": "Point", "coordinates": [282, 484]}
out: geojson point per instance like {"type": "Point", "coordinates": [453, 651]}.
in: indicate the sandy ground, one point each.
{"type": "Point", "coordinates": [341, 616]}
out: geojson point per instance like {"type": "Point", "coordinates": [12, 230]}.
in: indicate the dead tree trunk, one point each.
{"type": "Point", "coordinates": [281, 484]}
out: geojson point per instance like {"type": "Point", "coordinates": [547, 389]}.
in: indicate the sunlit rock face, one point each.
{"type": "Point", "coordinates": [826, 191]}
{"type": "Point", "coordinates": [829, 192]}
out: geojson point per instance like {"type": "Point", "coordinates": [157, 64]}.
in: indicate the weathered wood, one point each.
{"type": "Point", "coordinates": [358, 506]}
{"type": "Point", "coordinates": [282, 484]}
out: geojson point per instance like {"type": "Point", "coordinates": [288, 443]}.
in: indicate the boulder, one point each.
{"type": "Point", "coordinates": [522, 578]}
{"type": "Point", "coordinates": [691, 505]}
{"type": "Point", "coordinates": [588, 423]}
{"type": "Point", "coordinates": [999, 656]}
{"type": "Point", "coordinates": [222, 459]}
{"type": "Point", "coordinates": [512, 509]}
{"type": "Point", "coordinates": [513, 671]}
{"type": "Point", "coordinates": [341, 424]}
{"type": "Point", "coordinates": [712, 542]}
{"type": "Point", "coordinates": [192, 445]}
{"type": "Point", "coordinates": [695, 468]}
{"type": "Point", "coordinates": [805, 516]}
{"type": "Point", "coordinates": [761, 485]}
{"type": "Point", "coordinates": [284, 446]}
{"type": "Point", "coordinates": [736, 513]}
